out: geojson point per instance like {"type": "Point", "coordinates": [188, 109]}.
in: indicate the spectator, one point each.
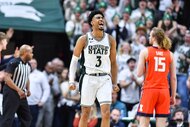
{"type": "Point", "coordinates": [40, 91]}
{"type": "Point", "coordinates": [69, 5]}
{"type": "Point", "coordinates": [136, 45]}
{"type": "Point", "coordinates": [168, 25]}
{"type": "Point", "coordinates": [115, 119]}
{"type": "Point", "coordinates": [177, 106]}
{"type": "Point", "coordinates": [141, 11]}
{"type": "Point", "coordinates": [102, 6]}
{"type": "Point", "coordinates": [58, 66]}
{"type": "Point", "coordinates": [152, 6]}
{"type": "Point", "coordinates": [179, 39]}
{"type": "Point", "coordinates": [168, 11]}
{"type": "Point", "coordinates": [46, 113]}
{"type": "Point", "coordinates": [73, 27]}
{"type": "Point", "coordinates": [116, 104]}
{"type": "Point", "coordinates": [182, 60]}
{"type": "Point", "coordinates": [141, 28]}
{"type": "Point", "coordinates": [123, 55]}
{"type": "Point", "coordinates": [178, 119]}
{"type": "Point", "coordinates": [164, 4]}
{"type": "Point", "coordinates": [111, 10]}
{"type": "Point", "coordinates": [149, 23]}
{"type": "Point", "coordinates": [177, 11]}
{"type": "Point", "coordinates": [127, 28]}
{"type": "Point", "coordinates": [84, 10]}
{"type": "Point", "coordinates": [143, 40]}
{"type": "Point", "coordinates": [130, 85]}
{"type": "Point", "coordinates": [92, 120]}
{"type": "Point", "coordinates": [115, 30]}
{"type": "Point", "coordinates": [68, 101]}
{"type": "Point", "coordinates": [85, 29]}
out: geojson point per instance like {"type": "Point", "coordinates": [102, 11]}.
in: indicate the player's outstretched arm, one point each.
{"type": "Point", "coordinates": [113, 63]}
{"type": "Point", "coordinates": [73, 65]}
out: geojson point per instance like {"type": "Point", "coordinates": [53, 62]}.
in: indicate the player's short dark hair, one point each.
{"type": "Point", "coordinates": [92, 14]}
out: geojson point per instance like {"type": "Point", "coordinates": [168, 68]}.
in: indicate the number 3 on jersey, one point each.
{"type": "Point", "coordinates": [160, 64]}
{"type": "Point", "coordinates": [99, 61]}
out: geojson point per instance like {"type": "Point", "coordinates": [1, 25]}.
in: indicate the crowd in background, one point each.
{"type": "Point", "coordinates": [129, 22]}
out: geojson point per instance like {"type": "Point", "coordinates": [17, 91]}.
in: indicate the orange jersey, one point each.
{"type": "Point", "coordinates": [157, 68]}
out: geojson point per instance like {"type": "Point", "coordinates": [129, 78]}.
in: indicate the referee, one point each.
{"type": "Point", "coordinates": [17, 88]}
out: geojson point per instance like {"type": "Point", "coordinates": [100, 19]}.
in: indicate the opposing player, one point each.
{"type": "Point", "coordinates": [98, 49]}
{"type": "Point", "coordinates": [156, 62]}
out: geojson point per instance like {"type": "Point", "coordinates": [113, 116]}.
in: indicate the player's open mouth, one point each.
{"type": "Point", "coordinates": [101, 24]}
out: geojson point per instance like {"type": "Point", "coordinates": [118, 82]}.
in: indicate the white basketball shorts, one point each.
{"type": "Point", "coordinates": [93, 87]}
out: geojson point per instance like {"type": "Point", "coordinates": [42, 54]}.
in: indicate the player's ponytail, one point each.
{"type": "Point", "coordinates": [166, 43]}
{"type": "Point", "coordinates": [162, 40]}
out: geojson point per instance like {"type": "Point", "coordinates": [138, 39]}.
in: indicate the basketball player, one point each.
{"type": "Point", "coordinates": [156, 62]}
{"type": "Point", "coordinates": [98, 50]}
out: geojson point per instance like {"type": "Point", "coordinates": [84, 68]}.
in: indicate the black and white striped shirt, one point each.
{"type": "Point", "coordinates": [20, 72]}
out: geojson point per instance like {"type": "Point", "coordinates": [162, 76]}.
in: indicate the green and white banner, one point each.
{"type": "Point", "coordinates": [32, 15]}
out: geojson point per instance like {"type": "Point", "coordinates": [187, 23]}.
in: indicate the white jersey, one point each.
{"type": "Point", "coordinates": [97, 55]}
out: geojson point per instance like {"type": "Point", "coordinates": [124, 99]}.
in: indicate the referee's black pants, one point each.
{"type": "Point", "coordinates": [13, 104]}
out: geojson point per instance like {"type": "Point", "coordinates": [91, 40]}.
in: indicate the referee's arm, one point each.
{"type": "Point", "coordinates": [11, 84]}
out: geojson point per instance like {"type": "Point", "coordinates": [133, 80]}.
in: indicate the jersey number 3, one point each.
{"type": "Point", "coordinates": [160, 64]}
{"type": "Point", "coordinates": [99, 61]}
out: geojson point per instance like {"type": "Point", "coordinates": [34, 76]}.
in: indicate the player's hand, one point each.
{"type": "Point", "coordinates": [172, 100]}
{"type": "Point", "coordinates": [72, 86]}
{"type": "Point", "coordinates": [116, 88]}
